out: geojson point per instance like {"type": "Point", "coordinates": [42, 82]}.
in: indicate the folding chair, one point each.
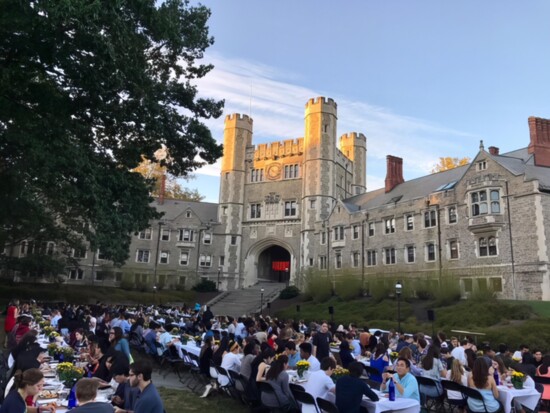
{"type": "Point", "coordinates": [265, 388]}
{"type": "Point", "coordinates": [430, 403]}
{"type": "Point", "coordinates": [371, 371]}
{"type": "Point", "coordinates": [454, 403]}
{"type": "Point", "coordinates": [326, 406]}
{"type": "Point", "coordinates": [304, 398]}
{"type": "Point", "coordinates": [475, 394]}
{"type": "Point", "coordinates": [543, 382]}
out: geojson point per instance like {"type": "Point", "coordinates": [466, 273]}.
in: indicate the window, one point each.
{"type": "Point", "coordinates": [453, 249]}
{"type": "Point", "coordinates": [312, 204]}
{"type": "Point", "coordinates": [410, 253]}
{"type": "Point", "coordinates": [479, 202]}
{"type": "Point", "coordinates": [222, 260]}
{"type": "Point", "coordinates": [322, 263]}
{"type": "Point", "coordinates": [371, 229]}
{"type": "Point", "coordinates": [255, 211]}
{"type": "Point", "coordinates": [165, 234]}
{"type": "Point", "coordinates": [187, 214]}
{"type": "Point", "coordinates": [233, 240]}
{"type": "Point", "coordinates": [292, 171]}
{"type": "Point", "coordinates": [371, 258]}
{"type": "Point", "coordinates": [224, 210]}
{"type": "Point", "coordinates": [389, 255]}
{"type": "Point", "coordinates": [468, 285]}
{"type": "Point", "coordinates": [164, 257]}
{"type": "Point", "coordinates": [339, 233]}
{"type": "Point", "coordinates": [495, 201]}
{"type": "Point", "coordinates": [205, 260]}
{"type": "Point", "coordinates": [323, 237]}
{"type": "Point", "coordinates": [355, 231]}
{"type": "Point", "coordinates": [184, 258]}
{"type": "Point", "coordinates": [186, 235]}
{"type": "Point", "coordinates": [487, 246]}
{"type": "Point", "coordinates": [146, 233]}
{"type": "Point", "coordinates": [79, 253]}
{"type": "Point", "coordinates": [143, 256]}
{"type": "Point", "coordinates": [409, 222]}
{"type": "Point", "coordinates": [311, 262]}
{"type": "Point", "coordinates": [338, 260]}
{"type": "Point", "coordinates": [430, 219]}
{"type": "Point", "coordinates": [481, 166]}
{"type": "Point", "coordinates": [290, 208]}
{"type": "Point", "coordinates": [452, 215]}
{"type": "Point", "coordinates": [256, 175]}
{"type": "Point", "coordinates": [207, 238]}
{"type": "Point", "coordinates": [355, 259]}
{"type": "Point", "coordinates": [76, 274]}
{"type": "Point", "coordinates": [430, 252]}
{"type": "Point", "coordinates": [389, 225]}
{"type": "Point", "coordinates": [496, 284]}
{"type": "Point", "coordinates": [101, 255]}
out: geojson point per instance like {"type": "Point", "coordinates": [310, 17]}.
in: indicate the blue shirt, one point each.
{"type": "Point", "coordinates": [410, 387]}
{"type": "Point", "coordinates": [293, 359]}
{"type": "Point", "coordinates": [13, 403]}
{"type": "Point", "coordinates": [349, 393]}
{"type": "Point", "coordinates": [148, 401]}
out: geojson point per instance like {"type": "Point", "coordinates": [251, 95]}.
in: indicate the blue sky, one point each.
{"type": "Point", "coordinates": [421, 79]}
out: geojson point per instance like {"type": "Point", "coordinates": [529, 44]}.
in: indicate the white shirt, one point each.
{"type": "Point", "coordinates": [314, 364]}
{"type": "Point", "coordinates": [318, 385]}
{"type": "Point", "coordinates": [458, 353]}
{"type": "Point", "coordinates": [230, 361]}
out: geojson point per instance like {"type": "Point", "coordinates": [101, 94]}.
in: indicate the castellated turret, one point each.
{"type": "Point", "coordinates": [354, 146]}
{"type": "Point", "coordinates": [237, 136]}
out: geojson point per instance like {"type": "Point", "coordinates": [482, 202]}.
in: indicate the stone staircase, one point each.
{"type": "Point", "coordinates": [247, 301]}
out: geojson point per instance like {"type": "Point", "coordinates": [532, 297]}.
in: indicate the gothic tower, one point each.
{"type": "Point", "coordinates": [354, 146]}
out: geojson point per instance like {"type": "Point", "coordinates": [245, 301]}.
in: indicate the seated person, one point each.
{"type": "Point", "coordinates": [350, 390]}
{"type": "Point", "coordinates": [292, 354]}
{"type": "Point", "coordinates": [319, 382]}
{"type": "Point", "coordinates": [125, 395]}
{"type": "Point", "coordinates": [406, 385]}
{"type": "Point", "coordinates": [305, 354]}
{"type": "Point", "coordinates": [86, 392]}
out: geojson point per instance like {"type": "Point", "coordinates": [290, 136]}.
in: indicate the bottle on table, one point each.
{"type": "Point", "coordinates": [391, 389]}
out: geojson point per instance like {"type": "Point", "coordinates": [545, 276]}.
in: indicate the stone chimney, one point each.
{"type": "Point", "coordinates": [493, 150]}
{"type": "Point", "coordinates": [394, 173]}
{"type": "Point", "coordinates": [539, 146]}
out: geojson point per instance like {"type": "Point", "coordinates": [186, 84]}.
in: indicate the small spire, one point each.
{"type": "Point", "coordinates": [481, 147]}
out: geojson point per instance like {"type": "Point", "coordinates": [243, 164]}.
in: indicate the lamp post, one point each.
{"type": "Point", "coordinates": [219, 273]}
{"type": "Point", "coordinates": [262, 301]}
{"type": "Point", "coordinates": [155, 293]}
{"type": "Point", "coordinates": [398, 289]}
{"type": "Point", "coordinates": [157, 256]}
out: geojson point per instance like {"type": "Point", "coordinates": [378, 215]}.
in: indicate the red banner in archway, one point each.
{"type": "Point", "coordinates": [280, 265]}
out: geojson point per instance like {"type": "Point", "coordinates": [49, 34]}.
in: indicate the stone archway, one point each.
{"type": "Point", "coordinates": [268, 260]}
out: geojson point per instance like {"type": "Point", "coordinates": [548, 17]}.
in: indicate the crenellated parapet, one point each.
{"type": "Point", "coordinates": [352, 139]}
{"type": "Point", "coordinates": [276, 150]}
{"type": "Point", "coordinates": [321, 104]}
{"type": "Point", "coordinates": [236, 120]}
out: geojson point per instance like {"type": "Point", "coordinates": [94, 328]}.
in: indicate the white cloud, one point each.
{"type": "Point", "coordinates": [277, 108]}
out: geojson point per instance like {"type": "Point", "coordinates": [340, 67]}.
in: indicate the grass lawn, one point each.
{"type": "Point", "coordinates": [542, 308]}
{"type": "Point", "coordinates": [178, 401]}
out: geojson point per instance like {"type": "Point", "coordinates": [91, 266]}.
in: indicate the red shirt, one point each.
{"type": "Point", "coordinates": [9, 323]}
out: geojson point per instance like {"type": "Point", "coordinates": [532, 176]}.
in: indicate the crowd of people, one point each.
{"type": "Point", "coordinates": [259, 349]}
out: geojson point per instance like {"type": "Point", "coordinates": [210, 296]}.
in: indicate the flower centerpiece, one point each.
{"type": "Point", "coordinates": [43, 323]}
{"type": "Point", "coordinates": [394, 355]}
{"type": "Point", "coordinates": [198, 340]}
{"type": "Point", "coordinates": [175, 331]}
{"type": "Point", "coordinates": [52, 349]}
{"type": "Point", "coordinates": [338, 373]}
{"type": "Point", "coordinates": [517, 379]}
{"type": "Point", "coordinates": [65, 354]}
{"type": "Point", "coordinates": [69, 373]}
{"type": "Point", "coordinates": [48, 330]}
{"type": "Point", "coordinates": [301, 367]}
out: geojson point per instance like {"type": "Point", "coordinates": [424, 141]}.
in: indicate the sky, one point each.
{"type": "Point", "coordinates": [421, 79]}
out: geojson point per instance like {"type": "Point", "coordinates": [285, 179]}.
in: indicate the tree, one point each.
{"type": "Point", "coordinates": [446, 163]}
{"type": "Point", "coordinates": [172, 189]}
{"type": "Point", "coordinates": [86, 89]}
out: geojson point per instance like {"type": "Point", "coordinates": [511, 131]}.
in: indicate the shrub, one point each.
{"type": "Point", "coordinates": [205, 286]}
{"type": "Point", "coordinates": [289, 292]}
{"type": "Point", "coordinates": [318, 286]}
{"type": "Point", "coordinates": [348, 287]}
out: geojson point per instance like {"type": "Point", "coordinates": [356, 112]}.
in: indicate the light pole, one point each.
{"type": "Point", "coordinates": [155, 293]}
{"type": "Point", "coordinates": [398, 289]}
{"type": "Point", "coordinates": [157, 256]}
{"type": "Point", "coordinates": [219, 273]}
{"type": "Point", "coordinates": [262, 301]}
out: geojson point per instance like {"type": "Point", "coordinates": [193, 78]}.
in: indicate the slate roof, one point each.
{"type": "Point", "coordinates": [518, 162]}
{"type": "Point", "coordinates": [172, 208]}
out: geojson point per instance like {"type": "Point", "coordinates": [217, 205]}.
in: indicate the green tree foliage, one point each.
{"type": "Point", "coordinates": [86, 88]}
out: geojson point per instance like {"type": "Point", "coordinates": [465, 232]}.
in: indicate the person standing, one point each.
{"type": "Point", "coordinates": [148, 399]}
{"type": "Point", "coordinates": [321, 342]}
{"type": "Point", "coordinates": [11, 318]}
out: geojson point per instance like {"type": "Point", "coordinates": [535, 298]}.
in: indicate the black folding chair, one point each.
{"type": "Point", "coordinates": [371, 371]}
{"type": "Point", "coordinates": [266, 388]}
{"type": "Point", "coordinates": [326, 406]}
{"type": "Point", "coordinates": [431, 403]}
{"type": "Point", "coordinates": [294, 387]}
{"type": "Point", "coordinates": [475, 394]}
{"type": "Point", "coordinates": [304, 398]}
{"type": "Point", "coordinates": [452, 404]}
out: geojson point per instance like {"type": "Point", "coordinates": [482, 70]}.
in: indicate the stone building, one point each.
{"type": "Point", "coordinates": [300, 204]}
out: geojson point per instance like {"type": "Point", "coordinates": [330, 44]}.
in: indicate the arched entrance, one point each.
{"type": "Point", "coordinates": [274, 264]}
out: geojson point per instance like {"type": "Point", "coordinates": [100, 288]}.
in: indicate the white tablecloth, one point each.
{"type": "Point", "coordinates": [383, 404]}
{"type": "Point", "coordinates": [528, 397]}
{"type": "Point", "coordinates": [189, 347]}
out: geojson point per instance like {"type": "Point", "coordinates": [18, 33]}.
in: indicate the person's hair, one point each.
{"type": "Point", "coordinates": [120, 365]}
{"type": "Point", "coordinates": [379, 350]}
{"type": "Point", "coordinates": [407, 362]}
{"type": "Point", "coordinates": [355, 369]}
{"type": "Point", "coordinates": [249, 348]}
{"type": "Point", "coordinates": [428, 360]}
{"type": "Point", "coordinates": [290, 345]}
{"type": "Point", "coordinates": [422, 342]}
{"type": "Point", "coordinates": [327, 363]}
{"type": "Point", "coordinates": [222, 348]}
{"type": "Point", "coordinates": [501, 367]}
{"type": "Point", "coordinates": [28, 377]}
{"type": "Point", "coordinates": [502, 348]}
{"type": "Point", "coordinates": [277, 366]}
{"type": "Point", "coordinates": [81, 332]}
{"type": "Point", "coordinates": [233, 345]}
{"type": "Point", "coordinates": [543, 368]}
{"type": "Point", "coordinates": [26, 341]}
{"type": "Point", "coordinates": [464, 341]}
{"type": "Point", "coordinates": [522, 346]}
{"type": "Point", "coordinates": [470, 357]}
{"type": "Point", "coordinates": [457, 371]}
{"type": "Point", "coordinates": [118, 335]}
{"type": "Point", "coordinates": [442, 336]}
{"type": "Point", "coordinates": [143, 367]}
{"type": "Point", "coordinates": [344, 345]}
{"type": "Point", "coordinates": [86, 389]}
{"type": "Point", "coordinates": [306, 347]}
{"type": "Point", "coordinates": [480, 373]}
{"type": "Point", "coordinates": [406, 353]}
